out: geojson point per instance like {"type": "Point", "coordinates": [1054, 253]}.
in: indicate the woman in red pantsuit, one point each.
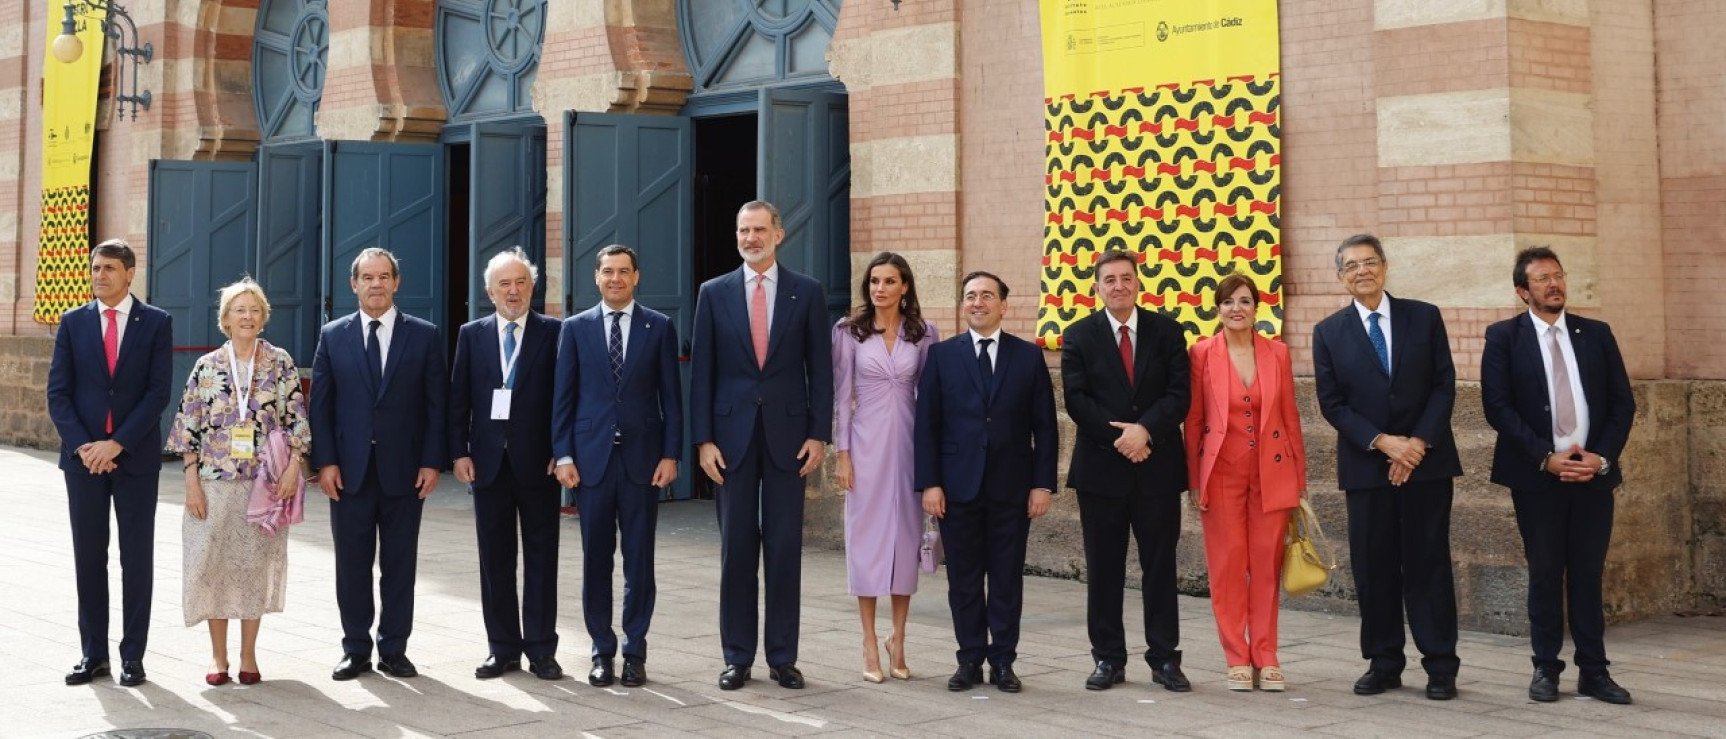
{"type": "Point", "coordinates": [1247, 466]}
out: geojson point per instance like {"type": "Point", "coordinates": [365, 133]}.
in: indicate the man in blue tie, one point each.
{"type": "Point", "coordinates": [378, 388]}
{"type": "Point", "coordinates": [107, 387]}
{"type": "Point", "coordinates": [500, 437]}
{"type": "Point", "coordinates": [1386, 382]}
{"type": "Point", "coordinates": [617, 431]}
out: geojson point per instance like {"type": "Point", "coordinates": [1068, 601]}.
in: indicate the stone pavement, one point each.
{"type": "Point", "coordinates": [1676, 667]}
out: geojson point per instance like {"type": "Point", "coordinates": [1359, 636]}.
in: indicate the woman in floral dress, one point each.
{"type": "Point", "coordinates": [236, 396]}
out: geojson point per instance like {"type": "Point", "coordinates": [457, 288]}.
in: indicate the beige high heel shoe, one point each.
{"type": "Point", "coordinates": [898, 672]}
{"type": "Point", "coordinates": [874, 675]}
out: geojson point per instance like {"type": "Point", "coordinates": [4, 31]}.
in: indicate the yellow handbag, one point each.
{"type": "Point", "coordinates": [1304, 569]}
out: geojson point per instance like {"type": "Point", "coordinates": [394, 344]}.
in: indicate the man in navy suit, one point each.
{"type": "Point", "coordinates": [1554, 387]}
{"type": "Point", "coordinates": [500, 437]}
{"type": "Point", "coordinates": [107, 388]}
{"type": "Point", "coordinates": [761, 412]}
{"type": "Point", "coordinates": [378, 388]}
{"type": "Point", "coordinates": [1386, 382]}
{"type": "Point", "coordinates": [617, 427]}
{"type": "Point", "coordinates": [986, 446]}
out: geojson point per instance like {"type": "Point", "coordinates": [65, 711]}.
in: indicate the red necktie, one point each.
{"type": "Point", "coordinates": [758, 320]}
{"type": "Point", "coordinates": [1127, 352]}
{"type": "Point", "coordinates": [111, 348]}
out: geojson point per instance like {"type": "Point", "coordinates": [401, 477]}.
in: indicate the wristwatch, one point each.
{"type": "Point", "coordinates": [1605, 465]}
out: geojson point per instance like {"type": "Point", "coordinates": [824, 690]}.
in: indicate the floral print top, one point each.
{"type": "Point", "coordinates": [209, 410]}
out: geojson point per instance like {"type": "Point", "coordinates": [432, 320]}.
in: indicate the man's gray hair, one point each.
{"type": "Point", "coordinates": [374, 251]}
{"type": "Point", "coordinates": [512, 254]}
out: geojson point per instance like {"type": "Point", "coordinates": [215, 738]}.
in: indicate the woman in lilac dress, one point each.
{"type": "Point", "coordinates": [878, 354]}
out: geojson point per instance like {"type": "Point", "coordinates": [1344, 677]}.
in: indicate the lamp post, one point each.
{"type": "Point", "coordinates": [117, 24]}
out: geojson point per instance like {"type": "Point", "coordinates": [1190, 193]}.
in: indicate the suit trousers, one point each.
{"type": "Point", "coordinates": [498, 508]}
{"type": "Point", "coordinates": [1566, 529]}
{"type": "Point", "coordinates": [1243, 558]}
{"type": "Point", "coordinates": [1399, 551]}
{"type": "Point", "coordinates": [984, 541]}
{"type": "Point", "coordinates": [360, 522]}
{"type": "Point", "coordinates": [760, 519]}
{"type": "Point", "coordinates": [608, 505]}
{"type": "Point", "coordinates": [133, 499]}
{"type": "Point", "coordinates": [1155, 521]}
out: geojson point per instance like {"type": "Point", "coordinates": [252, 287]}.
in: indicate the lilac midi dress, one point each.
{"type": "Point", "coordinates": [875, 403]}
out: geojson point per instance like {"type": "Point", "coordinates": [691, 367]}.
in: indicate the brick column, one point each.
{"type": "Point", "coordinates": [221, 70]}
{"type": "Point", "coordinates": [18, 40]}
{"type": "Point", "coordinates": [381, 84]}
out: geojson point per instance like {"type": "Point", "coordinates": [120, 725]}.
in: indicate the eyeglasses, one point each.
{"type": "Point", "coordinates": [1546, 279]}
{"type": "Point", "coordinates": [1349, 268]}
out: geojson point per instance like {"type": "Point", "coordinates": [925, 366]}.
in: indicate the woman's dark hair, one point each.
{"type": "Point", "coordinates": [1228, 286]}
{"type": "Point", "coordinates": [861, 323]}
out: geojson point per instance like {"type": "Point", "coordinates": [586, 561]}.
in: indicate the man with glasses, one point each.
{"type": "Point", "coordinates": [1555, 389]}
{"type": "Point", "coordinates": [1386, 382]}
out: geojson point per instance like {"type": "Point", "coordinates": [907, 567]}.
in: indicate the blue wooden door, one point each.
{"type": "Point", "coordinates": [290, 217]}
{"type": "Point", "coordinates": [804, 168]}
{"type": "Point", "coordinates": [506, 202]}
{"type": "Point", "coordinates": [628, 181]}
{"type": "Point", "coordinates": [202, 224]}
{"type": "Point", "coordinates": [388, 195]}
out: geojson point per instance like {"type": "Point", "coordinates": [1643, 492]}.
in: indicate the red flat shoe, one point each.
{"type": "Point", "coordinates": [250, 678]}
{"type": "Point", "coordinates": [220, 678]}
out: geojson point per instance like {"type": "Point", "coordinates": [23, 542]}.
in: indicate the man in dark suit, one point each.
{"type": "Point", "coordinates": [378, 384]}
{"type": "Point", "coordinates": [107, 387]}
{"type": "Point", "coordinates": [617, 427]}
{"type": "Point", "coordinates": [500, 436]}
{"type": "Point", "coordinates": [985, 462]}
{"type": "Point", "coordinates": [1554, 387]}
{"type": "Point", "coordinates": [761, 412]}
{"type": "Point", "coordinates": [1129, 466]}
{"type": "Point", "coordinates": [1386, 382]}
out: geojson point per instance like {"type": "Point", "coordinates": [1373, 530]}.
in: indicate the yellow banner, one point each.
{"type": "Point", "coordinates": [1163, 125]}
{"type": "Point", "coordinates": [68, 138]}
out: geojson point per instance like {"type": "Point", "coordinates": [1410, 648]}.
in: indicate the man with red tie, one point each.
{"type": "Point", "coordinates": [107, 386]}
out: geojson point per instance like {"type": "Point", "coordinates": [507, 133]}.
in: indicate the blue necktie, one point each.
{"type": "Point", "coordinates": [1379, 345]}
{"type": "Point", "coordinates": [614, 347]}
{"type": "Point", "coordinates": [375, 356]}
{"type": "Point", "coordinates": [984, 365]}
{"type": "Point", "coordinates": [509, 351]}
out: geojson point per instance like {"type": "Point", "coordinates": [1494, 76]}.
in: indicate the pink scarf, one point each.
{"type": "Point", "coordinates": [264, 510]}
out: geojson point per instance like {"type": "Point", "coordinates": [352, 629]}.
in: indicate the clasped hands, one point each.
{"type": "Point", "coordinates": [1582, 469]}
{"type": "Point", "coordinates": [1405, 454]}
{"type": "Point", "coordinates": [98, 456]}
{"type": "Point", "coordinates": [1134, 443]}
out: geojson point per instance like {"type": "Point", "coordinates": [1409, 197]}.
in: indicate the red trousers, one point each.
{"type": "Point", "coordinates": [1243, 553]}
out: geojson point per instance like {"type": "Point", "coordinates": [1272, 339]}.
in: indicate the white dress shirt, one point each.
{"type": "Point", "coordinates": [385, 332]}
{"type": "Point", "coordinates": [123, 312]}
{"type": "Point", "coordinates": [994, 346]}
{"type": "Point", "coordinates": [1132, 325]}
{"type": "Point", "coordinates": [772, 288]}
{"type": "Point", "coordinates": [1383, 324]}
{"type": "Point", "coordinates": [627, 321]}
{"type": "Point", "coordinates": [1543, 332]}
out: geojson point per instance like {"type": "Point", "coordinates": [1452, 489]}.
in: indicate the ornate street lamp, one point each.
{"type": "Point", "coordinates": [117, 24]}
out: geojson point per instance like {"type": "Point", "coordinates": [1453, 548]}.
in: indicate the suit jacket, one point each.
{"type": "Point", "coordinates": [81, 393]}
{"type": "Point", "coordinates": [793, 393]}
{"type": "Point", "coordinates": [1095, 384]}
{"type": "Point", "coordinates": [404, 422]}
{"type": "Point", "coordinates": [1361, 401]}
{"type": "Point", "coordinates": [962, 429]}
{"type": "Point", "coordinates": [1513, 389]}
{"type": "Point", "coordinates": [590, 410]}
{"type": "Point", "coordinates": [477, 372]}
{"type": "Point", "coordinates": [1281, 448]}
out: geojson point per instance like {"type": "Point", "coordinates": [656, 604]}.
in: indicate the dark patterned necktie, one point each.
{"type": "Point", "coordinates": [1379, 345]}
{"type": "Point", "coordinates": [614, 347]}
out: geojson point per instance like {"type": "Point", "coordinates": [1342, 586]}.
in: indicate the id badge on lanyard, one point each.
{"type": "Point", "coordinates": [243, 437]}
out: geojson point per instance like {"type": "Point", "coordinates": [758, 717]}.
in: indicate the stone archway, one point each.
{"type": "Point", "coordinates": [222, 79]}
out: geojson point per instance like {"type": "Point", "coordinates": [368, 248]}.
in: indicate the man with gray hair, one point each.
{"type": "Point", "coordinates": [378, 387]}
{"type": "Point", "coordinates": [500, 437]}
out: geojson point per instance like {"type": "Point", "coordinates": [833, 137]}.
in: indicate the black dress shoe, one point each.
{"type": "Point", "coordinates": [1169, 676]}
{"type": "Point", "coordinates": [1107, 675]}
{"type": "Point", "coordinates": [1601, 687]}
{"type": "Point", "coordinates": [601, 675]}
{"type": "Point", "coordinates": [966, 677]}
{"type": "Point", "coordinates": [1441, 687]}
{"type": "Point", "coordinates": [634, 672]}
{"type": "Point", "coordinates": [733, 677]}
{"type": "Point", "coordinates": [131, 672]}
{"type": "Point", "coordinates": [350, 667]}
{"type": "Point", "coordinates": [1003, 678]}
{"type": "Point", "coordinates": [494, 667]}
{"type": "Point", "coordinates": [87, 670]}
{"type": "Point", "coordinates": [787, 675]}
{"type": "Point", "coordinates": [1544, 686]}
{"type": "Point", "coordinates": [1377, 681]}
{"type": "Point", "coordinates": [397, 665]}
{"type": "Point", "coordinates": [545, 668]}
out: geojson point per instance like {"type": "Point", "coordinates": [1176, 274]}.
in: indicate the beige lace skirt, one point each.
{"type": "Point", "coordinates": [232, 569]}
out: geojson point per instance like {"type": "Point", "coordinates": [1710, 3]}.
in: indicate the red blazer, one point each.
{"type": "Point", "coordinates": [1282, 453]}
